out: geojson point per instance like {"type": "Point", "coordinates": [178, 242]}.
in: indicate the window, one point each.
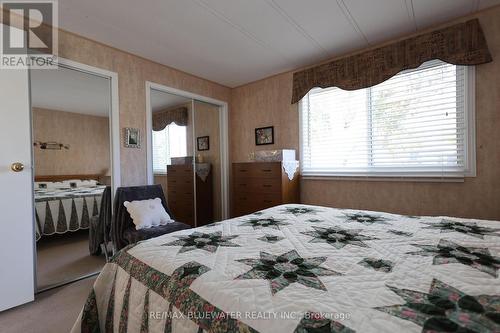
{"type": "Point", "coordinates": [418, 123]}
{"type": "Point", "coordinates": [167, 143]}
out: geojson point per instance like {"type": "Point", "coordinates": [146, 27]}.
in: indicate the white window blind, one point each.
{"type": "Point", "coordinates": [167, 143]}
{"type": "Point", "coordinates": [418, 123]}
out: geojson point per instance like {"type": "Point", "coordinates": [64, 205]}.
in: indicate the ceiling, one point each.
{"type": "Point", "coordinates": [70, 90]}
{"type": "Point", "coordinates": [234, 42]}
{"type": "Point", "coordinates": [161, 100]}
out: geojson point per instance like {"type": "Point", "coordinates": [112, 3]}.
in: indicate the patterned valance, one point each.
{"type": "Point", "coordinates": [162, 119]}
{"type": "Point", "coordinates": [460, 44]}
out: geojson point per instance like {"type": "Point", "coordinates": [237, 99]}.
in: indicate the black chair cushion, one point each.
{"type": "Point", "coordinates": [122, 222]}
{"type": "Point", "coordinates": [134, 236]}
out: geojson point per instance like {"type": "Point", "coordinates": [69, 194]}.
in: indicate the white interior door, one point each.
{"type": "Point", "coordinates": [16, 198]}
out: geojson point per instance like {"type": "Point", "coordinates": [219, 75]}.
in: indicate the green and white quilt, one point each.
{"type": "Point", "coordinates": [300, 268]}
{"type": "Point", "coordinates": [60, 210]}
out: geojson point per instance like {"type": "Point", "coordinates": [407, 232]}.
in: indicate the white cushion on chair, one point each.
{"type": "Point", "coordinates": [147, 213]}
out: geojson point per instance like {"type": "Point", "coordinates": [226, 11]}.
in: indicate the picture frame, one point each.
{"type": "Point", "coordinates": [203, 143]}
{"type": "Point", "coordinates": [132, 137]}
{"type": "Point", "coordinates": [264, 136]}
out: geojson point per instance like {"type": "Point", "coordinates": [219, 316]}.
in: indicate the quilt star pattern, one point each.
{"type": "Point", "coordinates": [447, 252]}
{"type": "Point", "coordinates": [264, 222]}
{"type": "Point", "coordinates": [202, 241]}
{"type": "Point", "coordinates": [470, 228]}
{"type": "Point", "coordinates": [447, 309]}
{"type": "Point", "coordinates": [380, 265]}
{"type": "Point", "coordinates": [285, 269]}
{"type": "Point", "coordinates": [338, 237]}
{"type": "Point", "coordinates": [302, 268]}
{"type": "Point", "coordinates": [365, 218]}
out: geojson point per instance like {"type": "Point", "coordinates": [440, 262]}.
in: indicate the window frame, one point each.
{"type": "Point", "coordinates": [469, 154]}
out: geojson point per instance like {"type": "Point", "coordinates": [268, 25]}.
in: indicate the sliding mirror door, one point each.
{"type": "Point", "coordinates": [71, 112]}
{"type": "Point", "coordinates": [172, 152]}
{"type": "Point", "coordinates": [187, 155]}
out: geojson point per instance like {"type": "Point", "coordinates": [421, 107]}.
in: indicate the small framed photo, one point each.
{"type": "Point", "coordinates": [132, 138]}
{"type": "Point", "coordinates": [264, 136]}
{"type": "Point", "coordinates": [203, 143]}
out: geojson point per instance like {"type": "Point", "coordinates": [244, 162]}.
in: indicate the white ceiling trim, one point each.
{"type": "Point", "coordinates": [296, 26]}
{"type": "Point", "coordinates": [475, 5]}
{"type": "Point", "coordinates": [238, 27]}
{"type": "Point", "coordinates": [411, 13]}
{"type": "Point", "coordinates": [352, 20]}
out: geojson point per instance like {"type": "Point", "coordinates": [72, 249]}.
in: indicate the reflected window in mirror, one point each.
{"type": "Point", "coordinates": [167, 143]}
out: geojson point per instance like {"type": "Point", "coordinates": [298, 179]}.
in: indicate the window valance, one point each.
{"type": "Point", "coordinates": [460, 44]}
{"type": "Point", "coordinates": [162, 119]}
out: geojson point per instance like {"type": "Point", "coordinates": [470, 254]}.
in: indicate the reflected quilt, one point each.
{"type": "Point", "coordinates": [67, 209]}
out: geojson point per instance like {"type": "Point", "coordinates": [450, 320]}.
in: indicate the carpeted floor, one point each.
{"type": "Point", "coordinates": [53, 311]}
{"type": "Point", "coordinates": [62, 258]}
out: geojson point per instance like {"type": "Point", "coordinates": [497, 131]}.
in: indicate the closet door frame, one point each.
{"type": "Point", "coordinates": [224, 144]}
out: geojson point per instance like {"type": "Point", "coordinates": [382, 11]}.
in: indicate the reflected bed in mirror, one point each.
{"type": "Point", "coordinates": [71, 110]}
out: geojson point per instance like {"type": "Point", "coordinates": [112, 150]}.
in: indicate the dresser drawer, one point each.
{"type": "Point", "coordinates": [251, 199]}
{"type": "Point", "coordinates": [179, 182]}
{"type": "Point", "coordinates": [180, 168]}
{"type": "Point", "coordinates": [257, 185]}
{"type": "Point", "coordinates": [181, 206]}
{"type": "Point", "coordinates": [180, 187]}
{"type": "Point", "coordinates": [257, 170]}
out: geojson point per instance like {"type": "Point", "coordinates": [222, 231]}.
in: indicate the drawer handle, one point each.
{"type": "Point", "coordinates": [242, 184]}
{"type": "Point", "coordinates": [243, 198]}
{"type": "Point", "coordinates": [243, 170]}
{"type": "Point", "coordinates": [266, 185]}
{"type": "Point", "coordinates": [267, 201]}
{"type": "Point", "coordinates": [174, 181]}
{"type": "Point", "coordinates": [267, 170]}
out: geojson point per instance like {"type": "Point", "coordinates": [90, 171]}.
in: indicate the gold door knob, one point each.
{"type": "Point", "coordinates": [17, 167]}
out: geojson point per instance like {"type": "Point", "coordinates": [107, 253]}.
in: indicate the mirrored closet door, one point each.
{"type": "Point", "coordinates": [186, 156]}
{"type": "Point", "coordinates": [71, 116]}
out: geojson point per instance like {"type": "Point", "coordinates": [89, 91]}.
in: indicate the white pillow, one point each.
{"type": "Point", "coordinates": [147, 213]}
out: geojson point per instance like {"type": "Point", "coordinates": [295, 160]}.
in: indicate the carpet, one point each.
{"type": "Point", "coordinates": [62, 258]}
{"type": "Point", "coordinates": [53, 311]}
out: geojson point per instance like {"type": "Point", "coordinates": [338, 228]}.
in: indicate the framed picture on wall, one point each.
{"type": "Point", "coordinates": [264, 136]}
{"type": "Point", "coordinates": [203, 143]}
{"type": "Point", "coordinates": [132, 137]}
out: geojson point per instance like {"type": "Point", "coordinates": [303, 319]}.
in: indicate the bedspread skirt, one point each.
{"type": "Point", "coordinates": [59, 216]}
{"type": "Point", "coordinates": [150, 301]}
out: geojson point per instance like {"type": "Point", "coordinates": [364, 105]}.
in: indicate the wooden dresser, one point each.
{"type": "Point", "coordinates": [180, 195]}
{"type": "Point", "coordinates": [260, 185]}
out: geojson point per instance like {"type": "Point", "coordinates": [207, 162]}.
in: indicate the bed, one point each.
{"type": "Point", "coordinates": [65, 203]}
{"type": "Point", "coordinates": [301, 268]}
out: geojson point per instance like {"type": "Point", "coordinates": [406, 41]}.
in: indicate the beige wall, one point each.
{"type": "Point", "coordinates": [267, 102]}
{"type": "Point", "coordinates": [133, 72]}
{"type": "Point", "coordinates": [88, 137]}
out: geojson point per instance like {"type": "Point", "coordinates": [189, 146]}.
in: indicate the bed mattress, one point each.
{"type": "Point", "coordinates": [300, 268]}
